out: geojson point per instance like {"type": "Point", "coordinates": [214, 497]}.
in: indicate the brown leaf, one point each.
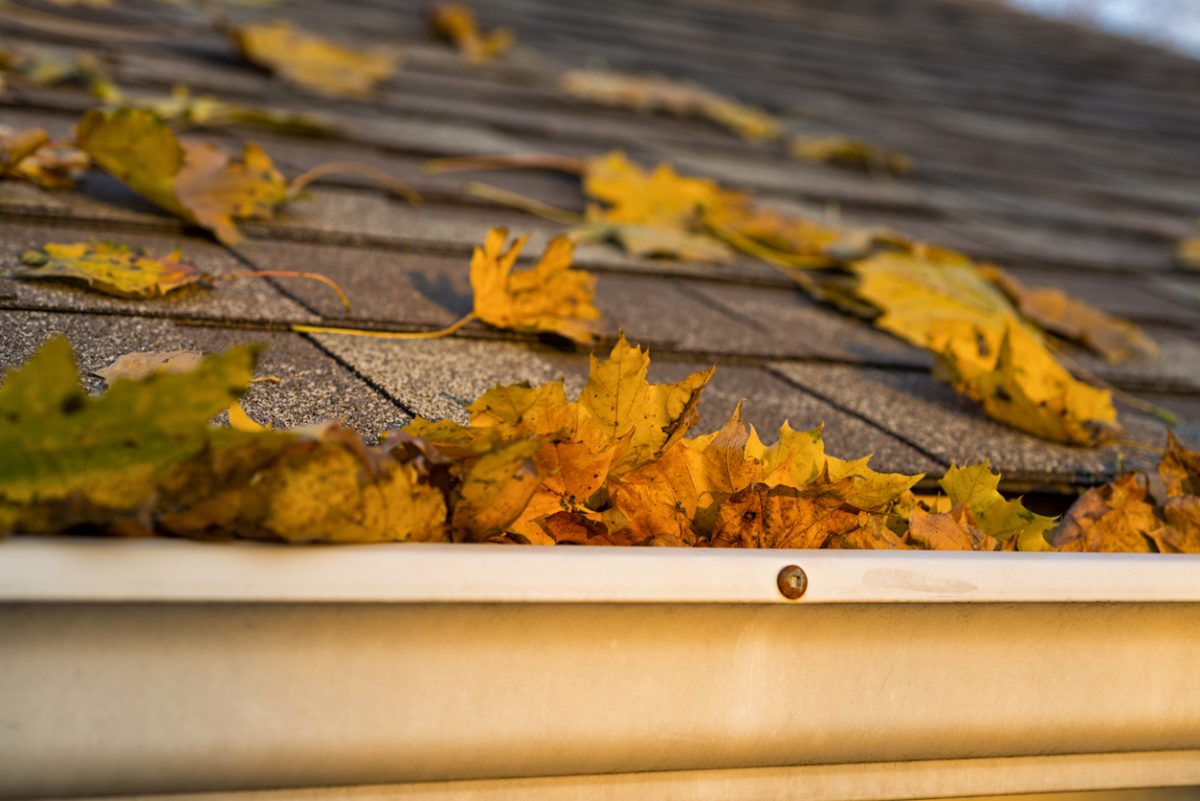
{"type": "Point", "coordinates": [312, 62]}
{"type": "Point", "coordinates": [455, 22]}
{"type": "Point", "coordinates": [1181, 534]}
{"type": "Point", "coordinates": [784, 517]}
{"type": "Point", "coordinates": [952, 531]}
{"type": "Point", "coordinates": [1111, 518]}
{"type": "Point", "coordinates": [30, 156]}
{"type": "Point", "coordinates": [1179, 468]}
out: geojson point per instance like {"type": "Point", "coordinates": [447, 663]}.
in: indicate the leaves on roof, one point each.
{"type": "Point", "coordinates": [29, 155]}
{"type": "Point", "coordinates": [456, 23]}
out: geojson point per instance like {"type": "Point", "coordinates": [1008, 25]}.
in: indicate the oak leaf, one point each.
{"type": "Point", "coordinates": [1113, 518]}
{"type": "Point", "coordinates": [550, 297]}
{"type": "Point", "coordinates": [312, 62]}
{"type": "Point", "coordinates": [656, 93]}
{"type": "Point", "coordinates": [976, 488]}
{"type": "Point", "coordinates": [455, 22]}
{"type": "Point", "coordinates": [196, 181]}
{"type": "Point", "coordinates": [1114, 339]}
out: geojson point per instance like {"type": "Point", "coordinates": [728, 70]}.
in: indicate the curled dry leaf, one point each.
{"type": "Point", "coordinates": [847, 152]}
{"type": "Point", "coordinates": [1114, 518]}
{"type": "Point", "coordinates": [456, 23]}
{"type": "Point", "coordinates": [198, 182]}
{"type": "Point", "coordinates": [548, 298]}
{"type": "Point", "coordinates": [785, 517]}
{"type": "Point", "coordinates": [656, 93]}
{"type": "Point", "coordinates": [1116, 340]}
{"type": "Point", "coordinates": [312, 62]}
{"type": "Point", "coordinates": [30, 156]}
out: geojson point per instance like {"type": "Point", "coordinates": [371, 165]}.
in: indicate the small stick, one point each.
{"type": "Point", "coordinates": [520, 202]}
{"type": "Point", "coordinates": [362, 332]}
{"type": "Point", "coordinates": [324, 279]}
{"type": "Point", "coordinates": [356, 168]}
{"type": "Point", "coordinates": [520, 161]}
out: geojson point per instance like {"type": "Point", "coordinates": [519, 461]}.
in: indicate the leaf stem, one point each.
{"type": "Point", "coordinates": [516, 161]}
{"type": "Point", "coordinates": [364, 332]}
{"type": "Point", "coordinates": [324, 279]}
{"type": "Point", "coordinates": [356, 168]}
{"type": "Point", "coordinates": [522, 203]}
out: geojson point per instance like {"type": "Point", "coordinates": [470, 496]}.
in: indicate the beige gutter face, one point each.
{"type": "Point", "coordinates": [737, 699]}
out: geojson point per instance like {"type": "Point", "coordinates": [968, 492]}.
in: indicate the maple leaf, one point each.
{"type": "Point", "coordinates": [496, 487]}
{"type": "Point", "coordinates": [647, 418]}
{"type": "Point", "coordinates": [198, 182]}
{"type": "Point", "coordinates": [30, 156]}
{"type": "Point", "coordinates": [140, 364]}
{"type": "Point", "coordinates": [1116, 340]}
{"type": "Point", "coordinates": [784, 517]}
{"type": "Point", "coordinates": [111, 268]}
{"type": "Point", "coordinates": [661, 198]}
{"type": "Point", "coordinates": [873, 535]}
{"type": "Point", "coordinates": [955, 530]}
{"type": "Point", "coordinates": [1113, 518]}
{"type": "Point", "coordinates": [795, 241]}
{"type": "Point", "coordinates": [656, 93]}
{"type": "Point", "coordinates": [455, 22]}
{"type": "Point", "coordinates": [1181, 532]}
{"type": "Point", "coordinates": [73, 459]}
{"type": "Point", "coordinates": [550, 297]}
{"type": "Point", "coordinates": [976, 488]}
{"type": "Point", "coordinates": [847, 152]}
{"type": "Point", "coordinates": [1179, 468]}
{"type": "Point", "coordinates": [312, 62]}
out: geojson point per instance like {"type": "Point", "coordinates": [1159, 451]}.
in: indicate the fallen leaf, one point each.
{"type": "Point", "coordinates": [30, 156]}
{"type": "Point", "coordinates": [140, 364]}
{"type": "Point", "coordinates": [548, 298]}
{"type": "Point", "coordinates": [206, 111]}
{"type": "Point", "coordinates": [1179, 468]}
{"type": "Point", "coordinates": [784, 517]}
{"type": "Point", "coordinates": [847, 152]}
{"type": "Point", "coordinates": [661, 198]}
{"type": "Point", "coordinates": [495, 490]}
{"type": "Point", "coordinates": [976, 488]}
{"type": "Point", "coordinates": [1114, 339]}
{"type": "Point", "coordinates": [1187, 253]}
{"type": "Point", "coordinates": [455, 22]}
{"type": "Point", "coordinates": [656, 93]}
{"type": "Point", "coordinates": [1181, 534]}
{"type": "Point", "coordinates": [655, 241]}
{"type": "Point", "coordinates": [1113, 518]}
{"type": "Point", "coordinates": [111, 268]}
{"type": "Point", "coordinates": [955, 530]}
{"type": "Point", "coordinates": [198, 182]}
{"type": "Point", "coordinates": [312, 62]}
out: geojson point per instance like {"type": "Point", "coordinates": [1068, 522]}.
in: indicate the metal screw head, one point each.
{"type": "Point", "coordinates": [792, 582]}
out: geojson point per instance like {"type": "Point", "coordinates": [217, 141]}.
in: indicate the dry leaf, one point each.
{"type": "Point", "coordinates": [1111, 518]}
{"type": "Point", "coordinates": [1179, 468]}
{"type": "Point", "coordinates": [140, 364]}
{"type": "Point", "coordinates": [111, 268]}
{"type": "Point", "coordinates": [955, 530]}
{"type": "Point", "coordinates": [206, 111]}
{"type": "Point", "coordinates": [495, 490]}
{"type": "Point", "coordinates": [1181, 534]}
{"type": "Point", "coordinates": [847, 152]}
{"type": "Point", "coordinates": [1187, 253]}
{"type": "Point", "coordinates": [31, 156]}
{"type": "Point", "coordinates": [655, 241]}
{"type": "Point", "coordinates": [548, 298]}
{"type": "Point", "coordinates": [785, 517]}
{"type": "Point", "coordinates": [655, 93]}
{"type": "Point", "coordinates": [455, 22]}
{"type": "Point", "coordinates": [1114, 339]}
{"type": "Point", "coordinates": [975, 488]}
{"type": "Point", "coordinates": [661, 198]}
{"type": "Point", "coordinates": [198, 182]}
{"type": "Point", "coordinates": [312, 62]}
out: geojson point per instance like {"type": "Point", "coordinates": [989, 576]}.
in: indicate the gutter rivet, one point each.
{"type": "Point", "coordinates": [792, 582]}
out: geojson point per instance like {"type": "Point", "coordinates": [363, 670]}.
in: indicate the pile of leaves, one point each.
{"type": "Point", "coordinates": [615, 466]}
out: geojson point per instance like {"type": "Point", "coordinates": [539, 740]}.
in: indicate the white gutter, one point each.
{"type": "Point", "coordinates": [460, 672]}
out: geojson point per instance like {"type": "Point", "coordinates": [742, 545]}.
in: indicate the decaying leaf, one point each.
{"type": "Point", "coordinates": [656, 93]}
{"type": "Point", "coordinates": [1113, 518]}
{"type": "Point", "coordinates": [1116, 340]}
{"type": "Point", "coordinates": [975, 488]}
{"type": "Point", "coordinates": [784, 517]}
{"type": "Point", "coordinates": [847, 152]}
{"type": "Point", "coordinates": [550, 297]}
{"type": "Point", "coordinates": [955, 530]}
{"type": "Point", "coordinates": [312, 62]}
{"type": "Point", "coordinates": [455, 22]}
{"type": "Point", "coordinates": [140, 364]}
{"type": "Point", "coordinates": [30, 156]}
{"type": "Point", "coordinates": [111, 268]}
{"type": "Point", "coordinates": [1179, 469]}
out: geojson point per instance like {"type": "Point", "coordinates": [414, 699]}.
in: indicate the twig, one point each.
{"type": "Point", "coordinates": [356, 168]}
{"type": "Point", "coordinates": [363, 332]}
{"type": "Point", "coordinates": [324, 279]}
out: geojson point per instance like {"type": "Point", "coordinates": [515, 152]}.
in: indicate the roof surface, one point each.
{"type": "Point", "coordinates": [1066, 155]}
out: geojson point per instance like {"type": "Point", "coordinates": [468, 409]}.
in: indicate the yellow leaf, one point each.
{"type": "Point", "coordinates": [655, 93]}
{"type": "Point", "coordinates": [312, 62]}
{"type": "Point", "coordinates": [1111, 518]}
{"type": "Point", "coordinates": [1181, 534]}
{"type": "Point", "coordinates": [1179, 468]}
{"type": "Point", "coordinates": [847, 152]}
{"type": "Point", "coordinates": [240, 421]}
{"type": "Point", "coordinates": [31, 156]}
{"type": "Point", "coordinates": [197, 182]}
{"type": "Point", "coordinates": [550, 297]}
{"type": "Point", "coordinates": [1114, 339]}
{"type": "Point", "coordinates": [951, 531]}
{"type": "Point", "coordinates": [111, 268]}
{"type": "Point", "coordinates": [656, 241]}
{"type": "Point", "coordinates": [1187, 253]}
{"type": "Point", "coordinates": [646, 417]}
{"type": "Point", "coordinates": [456, 23]}
{"type": "Point", "coordinates": [784, 517]}
{"type": "Point", "coordinates": [976, 488]}
{"type": "Point", "coordinates": [661, 198]}
{"type": "Point", "coordinates": [495, 490]}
